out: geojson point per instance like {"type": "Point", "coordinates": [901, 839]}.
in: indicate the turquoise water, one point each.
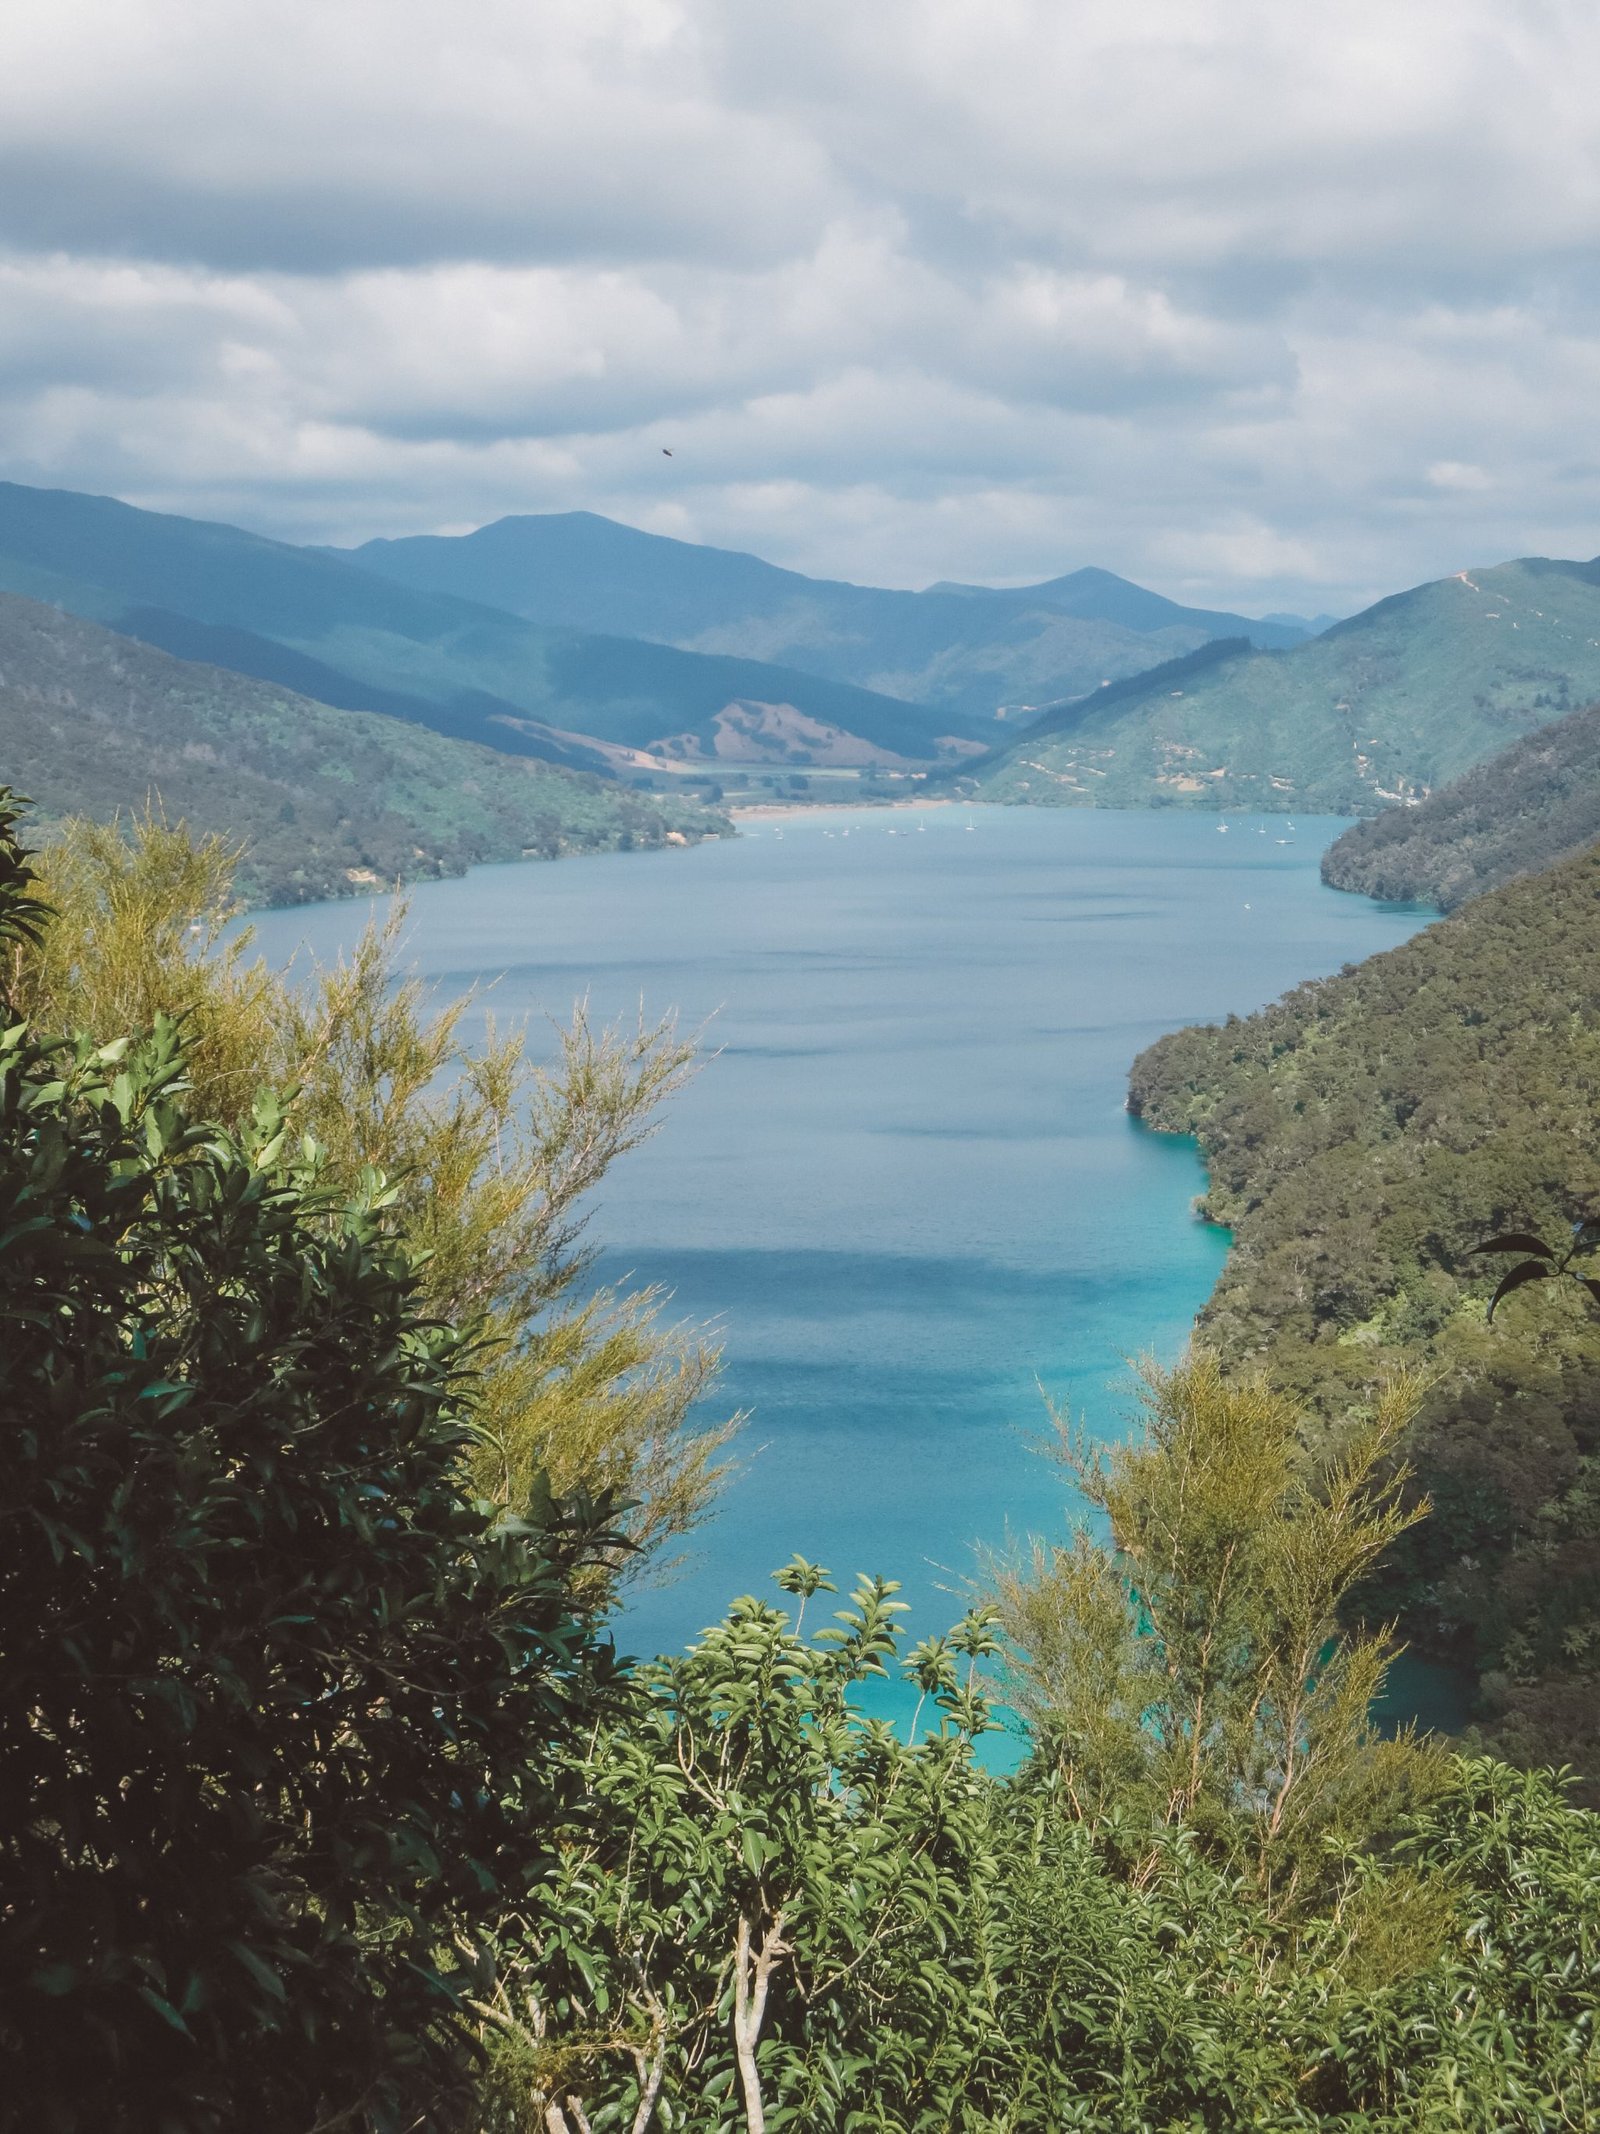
{"type": "Point", "coordinates": [905, 1186]}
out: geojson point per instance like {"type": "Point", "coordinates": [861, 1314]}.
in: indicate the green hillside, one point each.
{"type": "Point", "coordinates": [1534, 803]}
{"type": "Point", "coordinates": [1382, 708]}
{"type": "Point", "coordinates": [967, 649]}
{"type": "Point", "coordinates": [211, 591]}
{"type": "Point", "coordinates": [1362, 1135]}
{"type": "Point", "coordinates": [329, 801]}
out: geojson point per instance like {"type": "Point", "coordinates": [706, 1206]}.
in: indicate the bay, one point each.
{"type": "Point", "coordinates": [904, 1185]}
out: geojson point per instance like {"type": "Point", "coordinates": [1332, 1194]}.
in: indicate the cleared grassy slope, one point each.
{"type": "Point", "coordinates": [1393, 702]}
{"type": "Point", "coordinates": [329, 802]}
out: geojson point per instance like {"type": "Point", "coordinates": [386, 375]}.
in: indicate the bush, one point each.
{"type": "Point", "coordinates": [279, 1700]}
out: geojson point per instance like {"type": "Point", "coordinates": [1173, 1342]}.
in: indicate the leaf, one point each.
{"type": "Point", "coordinates": [262, 1973]}
{"type": "Point", "coordinates": [1529, 1271]}
{"type": "Point", "coordinates": [165, 2010]}
{"type": "Point", "coordinates": [1515, 1241]}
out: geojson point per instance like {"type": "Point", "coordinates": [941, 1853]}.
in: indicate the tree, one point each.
{"type": "Point", "coordinates": [491, 1158]}
{"type": "Point", "coordinates": [280, 1699]}
{"type": "Point", "coordinates": [764, 1882]}
{"type": "Point", "coordinates": [774, 1913]}
{"type": "Point", "coordinates": [1195, 1670]}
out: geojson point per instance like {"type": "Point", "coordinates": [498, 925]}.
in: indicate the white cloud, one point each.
{"type": "Point", "coordinates": [1458, 474]}
{"type": "Point", "coordinates": [1258, 304]}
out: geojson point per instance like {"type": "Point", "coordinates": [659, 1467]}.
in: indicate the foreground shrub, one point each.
{"type": "Point", "coordinates": [279, 1700]}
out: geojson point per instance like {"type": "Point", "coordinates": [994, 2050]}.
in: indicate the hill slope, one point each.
{"type": "Point", "coordinates": [968, 649]}
{"type": "Point", "coordinates": [329, 801]}
{"type": "Point", "coordinates": [1534, 803]}
{"type": "Point", "coordinates": [1391, 703]}
{"type": "Point", "coordinates": [199, 589]}
{"type": "Point", "coordinates": [1362, 1135]}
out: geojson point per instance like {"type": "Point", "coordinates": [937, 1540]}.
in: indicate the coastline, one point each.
{"type": "Point", "coordinates": [861, 807]}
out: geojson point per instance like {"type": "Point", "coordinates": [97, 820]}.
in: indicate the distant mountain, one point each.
{"type": "Point", "coordinates": [348, 635]}
{"type": "Point", "coordinates": [967, 649]}
{"type": "Point", "coordinates": [1381, 708]}
{"type": "Point", "coordinates": [1101, 596]}
{"type": "Point", "coordinates": [328, 801]}
{"type": "Point", "coordinates": [1537, 802]}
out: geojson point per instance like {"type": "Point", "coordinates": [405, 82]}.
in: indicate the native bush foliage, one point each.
{"type": "Point", "coordinates": [1363, 1136]}
{"type": "Point", "coordinates": [279, 1699]}
{"type": "Point", "coordinates": [491, 1157]}
{"type": "Point", "coordinates": [777, 1914]}
{"type": "Point", "coordinates": [763, 1866]}
{"type": "Point", "coordinates": [1211, 1897]}
{"type": "Point", "coordinates": [1195, 1669]}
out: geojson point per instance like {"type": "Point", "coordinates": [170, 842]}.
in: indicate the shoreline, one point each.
{"type": "Point", "coordinates": [816, 807]}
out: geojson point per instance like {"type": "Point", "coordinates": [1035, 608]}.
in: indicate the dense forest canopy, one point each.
{"type": "Point", "coordinates": [1537, 802]}
{"type": "Point", "coordinates": [1362, 1136]}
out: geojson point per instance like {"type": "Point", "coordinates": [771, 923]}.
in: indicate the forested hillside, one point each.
{"type": "Point", "coordinates": [326, 802]}
{"type": "Point", "coordinates": [1384, 707]}
{"type": "Point", "coordinates": [1362, 1135]}
{"type": "Point", "coordinates": [1533, 804]}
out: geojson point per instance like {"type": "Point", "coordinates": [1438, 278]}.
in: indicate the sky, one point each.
{"type": "Point", "coordinates": [1269, 307]}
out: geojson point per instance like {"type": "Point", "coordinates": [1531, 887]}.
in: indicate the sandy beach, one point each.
{"type": "Point", "coordinates": [861, 807]}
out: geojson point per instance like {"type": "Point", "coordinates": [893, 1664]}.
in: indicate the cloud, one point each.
{"type": "Point", "coordinates": [1255, 304]}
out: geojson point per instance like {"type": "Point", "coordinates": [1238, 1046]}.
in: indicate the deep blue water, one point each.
{"type": "Point", "coordinates": [905, 1186]}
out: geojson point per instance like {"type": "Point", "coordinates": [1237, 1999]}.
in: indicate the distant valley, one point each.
{"type": "Point", "coordinates": [661, 667]}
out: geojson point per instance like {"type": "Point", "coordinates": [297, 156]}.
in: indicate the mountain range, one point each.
{"type": "Point", "coordinates": [963, 649]}
{"type": "Point", "coordinates": [352, 638]}
{"type": "Point", "coordinates": [580, 642]}
{"type": "Point", "coordinates": [567, 639]}
{"type": "Point", "coordinates": [1379, 709]}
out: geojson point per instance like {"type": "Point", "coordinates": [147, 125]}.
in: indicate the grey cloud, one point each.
{"type": "Point", "coordinates": [307, 140]}
{"type": "Point", "coordinates": [331, 221]}
{"type": "Point", "coordinates": [1272, 309]}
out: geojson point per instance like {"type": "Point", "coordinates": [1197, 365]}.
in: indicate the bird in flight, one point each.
{"type": "Point", "coordinates": [666, 452]}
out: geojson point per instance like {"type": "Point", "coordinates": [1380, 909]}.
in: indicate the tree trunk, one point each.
{"type": "Point", "coordinates": [752, 1973]}
{"type": "Point", "coordinates": [650, 2086]}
